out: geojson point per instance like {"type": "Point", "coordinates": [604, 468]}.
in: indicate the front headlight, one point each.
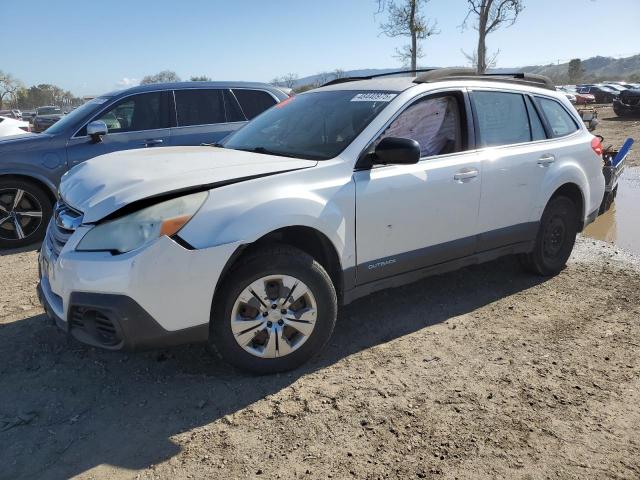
{"type": "Point", "coordinates": [136, 229]}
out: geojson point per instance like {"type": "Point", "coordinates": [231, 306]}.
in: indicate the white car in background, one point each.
{"type": "Point", "coordinates": [567, 93]}
{"type": "Point", "coordinates": [328, 196]}
{"type": "Point", "coordinates": [11, 126]}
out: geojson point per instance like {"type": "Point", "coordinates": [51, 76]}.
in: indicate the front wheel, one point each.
{"type": "Point", "coordinates": [275, 310]}
{"type": "Point", "coordinates": [25, 210]}
{"type": "Point", "coordinates": [555, 239]}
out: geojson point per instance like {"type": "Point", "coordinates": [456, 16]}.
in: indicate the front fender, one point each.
{"type": "Point", "coordinates": [246, 211]}
{"type": "Point", "coordinates": [40, 177]}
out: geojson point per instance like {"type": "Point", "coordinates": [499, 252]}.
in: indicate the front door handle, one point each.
{"type": "Point", "coordinates": [152, 142]}
{"type": "Point", "coordinates": [546, 160]}
{"type": "Point", "coordinates": [465, 174]}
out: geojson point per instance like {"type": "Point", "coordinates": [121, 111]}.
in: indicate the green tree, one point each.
{"type": "Point", "coordinates": [45, 94]}
{"type": "Point", "coordinates": [404, 19]}
{"type": "Point", "coordinates": [164, 76]}
{"type": "Point", "coordinates": [576, 72]}
{"type": "Point", "coordinates": [200, 78]}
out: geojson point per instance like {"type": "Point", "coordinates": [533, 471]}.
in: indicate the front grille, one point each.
{"type": "Point", "coordinates": [62, 225]}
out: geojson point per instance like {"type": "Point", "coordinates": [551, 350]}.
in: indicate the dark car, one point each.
{"type": "Point", "coordinates": [146, 116]}
{"type": "Point", "coordinates": [45, 117]}
{"type": "Point", "coordinates": [602, 94]}
{"type": "Point", "coordinates": [627, 103]}
{"type": "Point", "coordinates": [28, 115]}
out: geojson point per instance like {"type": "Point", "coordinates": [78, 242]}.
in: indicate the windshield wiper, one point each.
{"type": "Point", "coordinates": [266, 151]}
{"type": "Point", "coordinates": [217, 144]}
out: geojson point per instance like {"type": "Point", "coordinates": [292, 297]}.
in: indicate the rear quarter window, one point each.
{"type": "Point", "coordinates": [559, 120]}
{"type": "Point", "coordinates": [253, 102]}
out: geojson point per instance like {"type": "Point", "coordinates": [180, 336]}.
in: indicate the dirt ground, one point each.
{"type": "Point", "coordinates": [483, 373]}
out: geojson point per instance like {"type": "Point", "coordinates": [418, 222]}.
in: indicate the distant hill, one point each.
{"type": "Point", "coordinates": [596, 68]}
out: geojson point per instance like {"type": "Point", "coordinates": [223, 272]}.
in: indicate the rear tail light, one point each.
{"type": "Point", "coordinates": [596, 146]}
{"type": "Point", "coordinates": [26, 129]}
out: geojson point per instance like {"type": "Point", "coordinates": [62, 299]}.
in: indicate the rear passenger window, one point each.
{"type": "Point", "coordinates": [537, 130]}
{"type": "Point", "coordinates": [199, 107]}
{"type": "Point", "coordinates": [559, 119]}
{"type": "Point", "coordinates": [234, 113]}
{"type": "Point", "coordinates": [254, 102]}
{"type": "Point", "coordinates": [502, 118]}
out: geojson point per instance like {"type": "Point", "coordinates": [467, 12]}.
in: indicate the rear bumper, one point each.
{"type": "Point", "coordinates": [116, 322]}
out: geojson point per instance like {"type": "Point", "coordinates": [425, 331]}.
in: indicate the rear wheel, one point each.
{"type": "Point", "coordinates": [555, 239]}
{"type": "Point", "coordinates": [25, 210]}
{"type": "Point", "coordinates": [275, 310]}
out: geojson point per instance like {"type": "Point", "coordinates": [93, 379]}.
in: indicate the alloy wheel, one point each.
{"type": "Point", "coordinates": [20, 214]}
{"type": "Point", "coordinates": [274, 316]}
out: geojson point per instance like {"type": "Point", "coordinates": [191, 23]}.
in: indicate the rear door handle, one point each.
{"type": "Point", "coordinates": [152, 142]}
{"type": "Point", "coordinates": [465, 174]}
{"type": "Point", "coordinates": [546, 160]}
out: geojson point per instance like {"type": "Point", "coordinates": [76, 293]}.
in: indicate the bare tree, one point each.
{"type": "Point", "coordinates": [491, 15]}
{"type": "Point", "coordinates": [289, 80]}
{"type": "Point", "coordinates": [405, 20]}
{"type": "Point", "coordinates": [200, 78]}
{"type": "Point", "coordinates": [161, 77]}
{"type": "Point", "coordinates": [321, 79]}
{"type": "Point", "coordinates": [339, 73]}
{"type": "Point", "coordinates": [472, 58]}
{"type": "Point", "coordinates": [9, 87]}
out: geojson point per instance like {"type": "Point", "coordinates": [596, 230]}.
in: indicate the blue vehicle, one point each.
{"type": "Point", "coordinates": [146, 116]}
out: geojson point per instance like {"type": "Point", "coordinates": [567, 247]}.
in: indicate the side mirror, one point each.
{"type": "Point", "coordinates": [396, 150]}
{"type": "Point", "coordinates": [96, 130]}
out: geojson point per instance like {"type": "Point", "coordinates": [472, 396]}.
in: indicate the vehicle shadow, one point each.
{"type": "Point", "coordinates": [67, 408]}
{"type": "Point", "coordinates": [626, 118]}
{"type": "Point", "coordinates": [13, 251]}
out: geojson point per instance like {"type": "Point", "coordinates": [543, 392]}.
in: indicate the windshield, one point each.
{"type": "Point", "coordinates": [315, 125]}
{"type": "Point", "coordinates": [78, 114]}
{"type": "Point", "coordinates": [49, 110]}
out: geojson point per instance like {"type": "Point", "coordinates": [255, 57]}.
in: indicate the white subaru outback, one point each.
{"type": "Point", "coordinates": [326, 197]}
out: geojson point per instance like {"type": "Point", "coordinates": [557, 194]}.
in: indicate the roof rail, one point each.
{"type": "Point", "coordinates": [442, 74]}
{"type": "Point", "coordinates": [336, 81]}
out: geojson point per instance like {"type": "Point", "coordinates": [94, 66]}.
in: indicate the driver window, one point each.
{"type": "Point", "coordinates": [135, 113]}
{"type": "Point", "coordinates": [435, 123]}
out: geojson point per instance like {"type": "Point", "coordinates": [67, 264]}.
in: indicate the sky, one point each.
{"type": "Point", "coordinates": [90, 47]}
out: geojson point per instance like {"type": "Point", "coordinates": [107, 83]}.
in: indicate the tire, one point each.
{"type": "Point", "coordinates": [20, 224]}
{"type": "Point", "coordinates": [555, 239]}
{"type": "Point", "coordinates": [619, 111]}
{"type": "Point", "coordinates": [270, 272]}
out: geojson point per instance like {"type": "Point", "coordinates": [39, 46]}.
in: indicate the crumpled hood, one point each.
{"type": "Point", "coordinates": [104, 184]}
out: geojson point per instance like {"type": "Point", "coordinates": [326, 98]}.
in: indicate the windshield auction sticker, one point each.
{"type": "Point", "coordinates": [374, 97]}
